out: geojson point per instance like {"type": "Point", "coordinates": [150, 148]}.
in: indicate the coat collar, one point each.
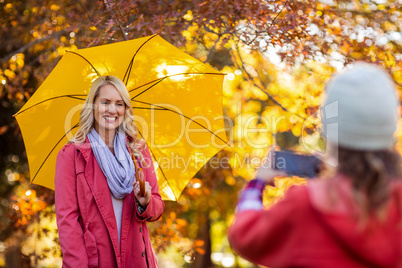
{"type": "Point", "coordinates": [84, 148]}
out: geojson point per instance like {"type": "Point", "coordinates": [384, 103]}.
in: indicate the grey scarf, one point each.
{"type": "Point", "coordinates": [119, 170]}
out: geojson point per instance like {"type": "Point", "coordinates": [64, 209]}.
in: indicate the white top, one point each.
{"type": "Point", "coordinates": [118, 210]}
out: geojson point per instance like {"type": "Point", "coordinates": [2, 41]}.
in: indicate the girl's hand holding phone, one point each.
{"type": "Point", "coordinates": [266, 173]}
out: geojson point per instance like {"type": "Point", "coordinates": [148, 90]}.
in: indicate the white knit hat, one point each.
{"type": "Point", "coordinates": [361, 108]}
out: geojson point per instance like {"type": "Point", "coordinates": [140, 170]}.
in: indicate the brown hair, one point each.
{"type": "Point", "coordinates": [370, 172]}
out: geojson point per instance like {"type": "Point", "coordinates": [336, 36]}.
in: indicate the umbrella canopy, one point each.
{"type": "Point", "coordinates": [176, 99]}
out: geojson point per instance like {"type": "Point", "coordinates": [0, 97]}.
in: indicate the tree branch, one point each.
{"type": "Point", "coordinates": [212, 49]}
{"type": "Point", "coordinates": [269, 28]}
{"type": "Point", "coordinates": [86, 11]}
{"type": "Point", "coordinates": [250, 79]}
{"type": "Point", "coordinates": [107, 5]}
{"type": "Point", "coordinates": [30, 44]}
{"type": "Point", "coordinates": [273, 21]}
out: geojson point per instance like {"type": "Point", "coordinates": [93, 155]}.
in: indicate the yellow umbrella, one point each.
{"type": "Point", "coordinates": [176, 99]}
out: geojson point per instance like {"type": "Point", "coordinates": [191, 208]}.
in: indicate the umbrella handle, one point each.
{"type": "Point", "coordinates": [141, 180]}
{"type": "Point", "coordinates": [139, 175]}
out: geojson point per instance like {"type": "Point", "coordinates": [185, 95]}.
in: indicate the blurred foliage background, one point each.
{"type": "Point", "coordinates": [277, 55]}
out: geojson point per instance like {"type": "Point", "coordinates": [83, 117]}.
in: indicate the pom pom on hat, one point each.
{"type": "Point", "coordinates": [361, 108]}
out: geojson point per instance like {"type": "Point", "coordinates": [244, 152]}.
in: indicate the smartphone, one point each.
{"type": "Point", "coordinates": [296, 164]}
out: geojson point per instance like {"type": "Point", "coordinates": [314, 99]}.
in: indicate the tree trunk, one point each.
{"type": "Point", "coordinates": [204, 234]}
{"type": "Point", "coordinates": [13, 257]}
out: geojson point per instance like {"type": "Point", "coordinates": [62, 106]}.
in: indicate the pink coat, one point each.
{"type": "Point", "coordinates": [85, 216]}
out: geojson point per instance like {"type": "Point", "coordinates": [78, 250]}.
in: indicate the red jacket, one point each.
{"type": "Point", "coordinates": [316, 226]}
{"type": "Point", "coordinates": [85, 216]}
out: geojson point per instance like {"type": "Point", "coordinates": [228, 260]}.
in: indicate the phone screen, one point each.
{"type": "Point", "coordinates": [295, 164]}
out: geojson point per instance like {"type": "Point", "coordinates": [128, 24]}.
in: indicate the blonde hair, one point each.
{"type": "Point", "coordinates": [128, 126]}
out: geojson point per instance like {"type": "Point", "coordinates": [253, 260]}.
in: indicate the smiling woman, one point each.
{"type": "Point", "coordinates": [101, 213]}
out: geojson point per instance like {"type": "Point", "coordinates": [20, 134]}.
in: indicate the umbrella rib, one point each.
{"type": "Point", "coordinates": [188, 118]}
{"type": "Point", "coordinates": [163, 173]}
{"type": "Point", "coordinates": [130, 65]}
{"type": "Point", "coordinates": [146, 108]}
{"type": "Point", "coordinates": [163, 78]}
{"type": "Point", "coordinates": [156, 80]}
{"type": "Point", "coordinates": [51, 151]}
{"type": "Point", "coordinates": [93, 67]}
{"type": "Point", "coordinates": [145, 90]}
{"type": "Point", "coordinates": [63, 96]}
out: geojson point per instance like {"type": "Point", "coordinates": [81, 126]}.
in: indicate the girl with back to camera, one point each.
{"type": "Point", "coordinates": [101, 213]}
{"type": "Point", "coordinates": [352, 219]}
